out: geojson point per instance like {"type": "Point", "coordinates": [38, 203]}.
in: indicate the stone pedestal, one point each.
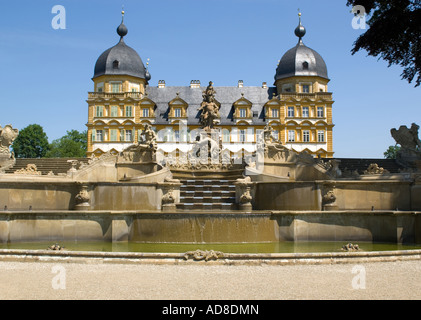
{"type": "Point", "coordinates": [82, 198]}
{"type": "Point", "coordinates": [330, 207]}
{"type": "Point", "coordinates": [82, 206]}
{"type": "Point", "coordinates": [245, 207]}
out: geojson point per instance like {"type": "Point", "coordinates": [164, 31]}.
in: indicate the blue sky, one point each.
{"type": "Point", "coordinates": [46, 73]}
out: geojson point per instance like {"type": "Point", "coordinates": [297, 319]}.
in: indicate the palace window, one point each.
{"type": "Point", "coordinates": [275, 113]}
{"type": "Point", "coordinates": [275, 135]}
{"type": "Point", "coordinates": [320, 112]}
{"type": "Point", "coordinates": [306, 88]}
{"type": "Point", "coordinates": [99, 136]}
{"type": "Point", "coordinates": [242, 135]}
{"type": "Point", "coordinates": [291, 136]}
{"type": "Point", "coordinates": [305, 112]}
{"type": "Point", "coordinates": [306, 136]}
{"type": "Point", "coordinates": [116, 64]}
{"type": "Point", "coordinates": [114, 111]}
{"type": "Point", "coordinates": [291, 112]}
{"type": "Point", "coordinates": [177, 112]}
{"type": "Point", "coordinates": [115, 87]}
{"type": "Point", "coordinates": [113, 135]}
{"type": "Point", "coordinates": [177, 135]}
{"type": "Point", "coordinates": [225, 135]}
{"type": "Point", "coordinates": [305, 65]}
{"type": "Point", "coordinates": [99, 111]}
{"type": "Point", "coordinates": [129, 111]}
{"type": "Point", "coordinates": [243, 112]}
{"type": "Point", "coordinates": [129, 135]}
{"type": "Point", "coordinates": [145, 112]}
{"type": "Point", "coordinates": [321, 136]}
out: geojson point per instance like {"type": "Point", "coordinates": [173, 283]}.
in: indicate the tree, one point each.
{"type": "Point", "coordinates": [71, 145]}
{"type": "Point", "coordinates": [32, 142]}
{"type": "Point", "coordinates": [394, 34]}
{"type": "Point", "coordinates": [391, 152]}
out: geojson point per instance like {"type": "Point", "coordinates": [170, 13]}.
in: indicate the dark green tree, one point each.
{"type": "Point", "coordinates": [394, 34]}
{"type": "Point", "coordinates": [32, 142]}
{"type": "Point", "coordinates": [71, 145]}
{"type": "Point", "coordinates": [391, 152]}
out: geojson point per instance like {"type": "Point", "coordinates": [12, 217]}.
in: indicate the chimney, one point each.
{"type": "Point", "coordinates": [195, 84]}
{"type": "Point", "coordinates": [161, 83]}
{"type": "Point", "coordinates": [264, 85]}
{"type": "Point", "coordinates": [240, 83]}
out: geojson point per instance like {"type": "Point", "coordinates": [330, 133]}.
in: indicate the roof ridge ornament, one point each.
{"type": "Point", "coordinates": [300, 31]}
{"type": "Point", "coordinates": [122, 29]}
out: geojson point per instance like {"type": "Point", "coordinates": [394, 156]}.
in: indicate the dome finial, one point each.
{"type": "Point", "coordinates": [122, 29]}
{"type": "Point", "coordinates": [300, 31]}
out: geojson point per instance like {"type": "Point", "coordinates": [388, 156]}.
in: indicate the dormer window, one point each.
{"type": "Point", "coordinates": [116, 64]}
{"type": "Point", "coordinates": [178, 108]}
{"type": "Point", "coordinates": [272, 108]}
{"type": "Point", "coordinates": [305, 65]}
{"type": "Point", "coordinates": [242, 110]}
{"type": "Point", "coordinates": [275, 113]}
{"type": "Point", "coordinates": [147, 109]}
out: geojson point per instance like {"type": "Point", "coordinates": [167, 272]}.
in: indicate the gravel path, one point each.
{"type": "Point", "coordinates": [50, 280]}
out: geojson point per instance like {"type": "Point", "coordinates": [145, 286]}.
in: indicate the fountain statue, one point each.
{"type": "Point", "coordinates": [410, 150]}
{"type": "Point", "coordinates": [7, 136]}
{"type": "Point", "coordinates": [209, 108]}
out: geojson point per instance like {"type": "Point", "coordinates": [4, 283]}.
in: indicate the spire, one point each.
{"type": "Point", "coordinates": [122, 29]}
{"type": "Point", "coordinates": [300, 31]}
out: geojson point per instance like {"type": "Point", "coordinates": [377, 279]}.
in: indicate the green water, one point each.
{"type": "Point", "coordinates": [273, 247]}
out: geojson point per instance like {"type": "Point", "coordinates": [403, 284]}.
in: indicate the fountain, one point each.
{"type": "Point", "coordinates": [201, 198]}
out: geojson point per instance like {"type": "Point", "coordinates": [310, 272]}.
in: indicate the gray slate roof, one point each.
{"type": "Point", "coordinates": [226, 96]}
{"type": "Point", "coordinates": [129, 60]}
{"type": "Point", "coordinates": [292, 61]}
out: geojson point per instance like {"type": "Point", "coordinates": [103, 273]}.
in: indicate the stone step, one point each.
{"type": "Point", "coordinates": [205, 200]}
{"type": "Point", "coordinates": [206, 207]}
{"type": "Point", "coordinates": [45, 165]}
{"type": "Point", "coordinates": [207, 193]}
{"type": "Point", "coordinates": [197, 174]}
{"type": "Point", "coordinates": [208, 182]}
{"type": "Point", "coordinates": [361, 165]}
{"type": "Point", "coordinates": [207, 188]}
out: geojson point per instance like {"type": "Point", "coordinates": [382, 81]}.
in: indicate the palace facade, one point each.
{"type": "Point", "coordinates": [298, 107]}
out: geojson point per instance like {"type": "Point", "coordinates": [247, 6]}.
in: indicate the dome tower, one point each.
{"type": "Point", "coordinates": [301, 80]}
{"type": "Point", "coordinates": [120, 78]}
{"type": "Point", "coordinates": [301, 69]}
{"type": "Point", "coordinates": [120, 63]}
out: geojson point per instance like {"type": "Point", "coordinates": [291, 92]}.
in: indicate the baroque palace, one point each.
{"type": "Point", "coordinates": [298, 109]}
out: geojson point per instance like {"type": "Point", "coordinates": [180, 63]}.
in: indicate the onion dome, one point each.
{"type": "Point", "coordinates": [301, 60]}
{"type": "Point", "coordinates": [121, 59]}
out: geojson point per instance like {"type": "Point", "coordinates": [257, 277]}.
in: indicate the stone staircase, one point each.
{"type": "Point", "coordinates": [46, 165]}
{"type": "Point", "coordinates": [362, 164]}
{"type": "Point", "coordinates": [207, 191]}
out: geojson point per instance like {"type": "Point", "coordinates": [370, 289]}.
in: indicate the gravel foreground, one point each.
{"type": "Point", "coordinates": [98, 281]}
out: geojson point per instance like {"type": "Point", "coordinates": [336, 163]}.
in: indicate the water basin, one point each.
{"type": "Point", "coordinates": [271, 247]}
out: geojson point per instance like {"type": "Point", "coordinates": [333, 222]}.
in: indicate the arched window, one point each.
{"type": "Point", "coordinates": [116, 64]}
{"type": "Point", "coordinates": [305, 65]}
